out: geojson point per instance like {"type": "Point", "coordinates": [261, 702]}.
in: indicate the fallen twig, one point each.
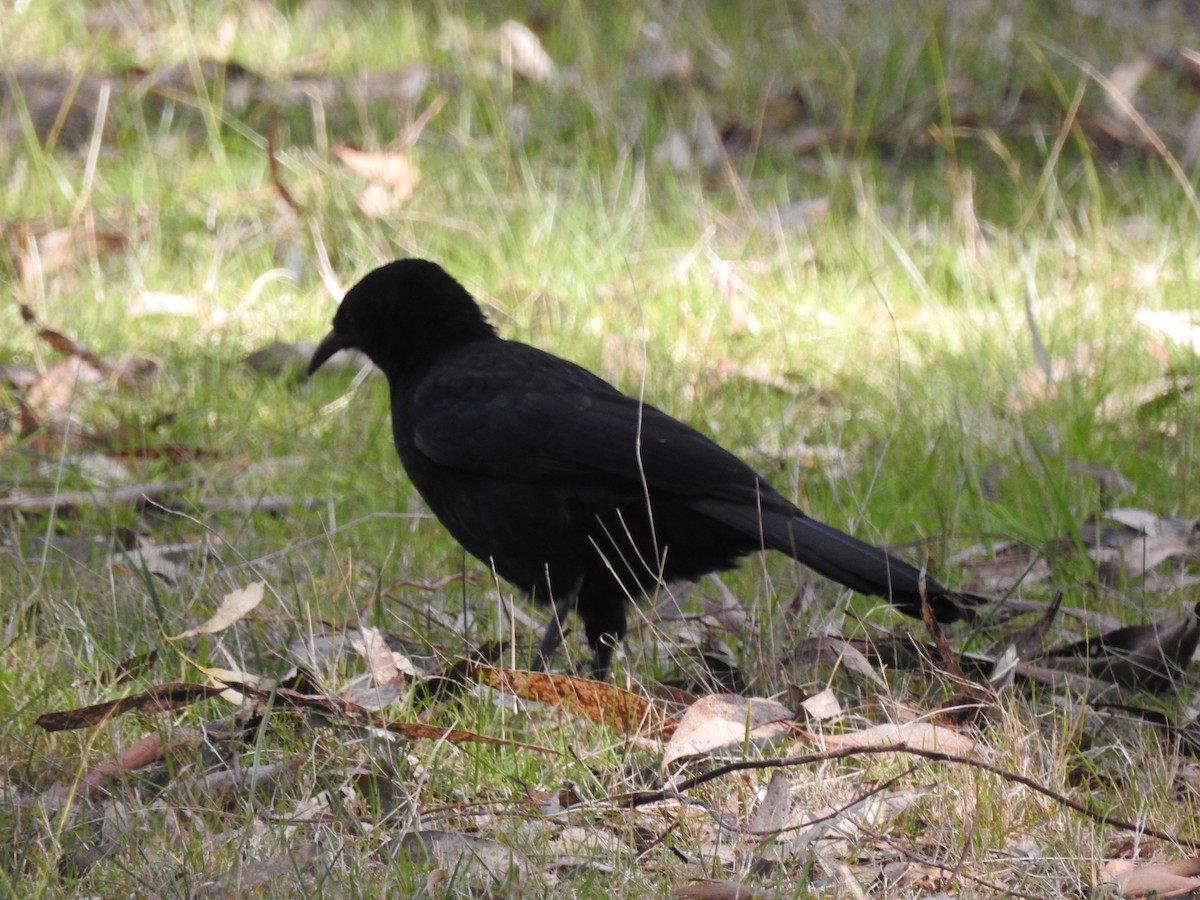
{"type": "Point", "coordinates": [645, 798]}
{"type": "Point", "coordinates": [121, 496]}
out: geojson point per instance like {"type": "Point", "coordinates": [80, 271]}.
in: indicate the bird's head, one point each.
{"type": "Point", "coordinates": [403, 315]}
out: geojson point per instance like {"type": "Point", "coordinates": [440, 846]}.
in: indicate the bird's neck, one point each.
{"type": "Point", "coordinates": [404, 370]}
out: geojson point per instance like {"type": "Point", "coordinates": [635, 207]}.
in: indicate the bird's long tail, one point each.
{"type": "Point", "coordinates": [864, 568]}
{"type": "Point", "coordinates": [856, 564]}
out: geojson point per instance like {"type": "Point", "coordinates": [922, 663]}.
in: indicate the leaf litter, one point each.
{"type": "Point", "coordinates": [1155, 550]}
{"type": "Point", "coordinates": [710, 729]}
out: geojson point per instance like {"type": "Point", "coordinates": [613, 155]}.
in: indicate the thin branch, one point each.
{"type": "Point", "coordinates": [276, 179]}
{"type": "Point", "coordinates": [648, 797]}
{"type": "Point", "coordinates": [122, 496]}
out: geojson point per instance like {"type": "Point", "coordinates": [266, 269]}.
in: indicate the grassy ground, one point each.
{"type": "Point", "coordinates": [838, 290]}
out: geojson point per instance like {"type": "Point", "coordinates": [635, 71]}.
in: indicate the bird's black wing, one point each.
{"type": "Point", "coordinates": [512, 411]}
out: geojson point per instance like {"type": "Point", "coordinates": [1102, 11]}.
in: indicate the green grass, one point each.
{"type": "Point", "coordinates": [873, 362]}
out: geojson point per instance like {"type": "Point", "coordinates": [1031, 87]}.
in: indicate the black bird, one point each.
{"type": "Point", "coordinates": [574, 492]}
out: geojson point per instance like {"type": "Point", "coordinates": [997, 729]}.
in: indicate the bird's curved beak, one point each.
{"type": "Point", "coordinates": [330, 344]}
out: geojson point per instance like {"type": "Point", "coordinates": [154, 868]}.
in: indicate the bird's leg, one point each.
{"type": "Point", "coordinates": [554, 634]}
{"type": "Point", "coordinates": [602, 664]}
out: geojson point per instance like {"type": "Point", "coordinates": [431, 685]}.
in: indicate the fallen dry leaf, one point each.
{"type": "Point", "coordinates": [160, 698]}
{"type": "Point", "coordinates": [836, 651]}
{"type": "Point", "coordinates": [385, 665]}
{"type": "Point", "coordinates": [1147, 656]}
{"type": "Point", "coordinates": [1139, 557]}
{"type": "Point", "coordinates": [727, 720]}
{"type": "Point", "coordinates": [244, 879]}
{"type": "Point", "coordinates": [1191, 141]}
{"type": "Point", "coordinates": [839, 828]}
{"type": "Point", "coordinates": [1124, 82]}
{"type": "Point", "coordinates": [1134, 880]}
{"type": "Point", "coordinates": [1124, 543]}
{"type": "Point", "coordinates": [1128, 543]}
{"type": "Point", "coordinates": [17, 377]}
{"type": "Point", "coordinates": [486, 863]}
{"type": "Point", "coordinates": [373, 699]}
{"type": "Point", "coordinates": [522, 52]}
{"type": "Point", "coordinates": [243, 683]}
{"type": "Point", "coordinates": [918, 735]}
{"type": "Point", "coordinates": [162, 303]}
{"type": "Point", "coordinates": [1180, 326]}
{"type": "Point", "coordinates": [393, 177]}
{"type": "Point", "coordinates": [727, 612]}
{"type": "Point", "coordinates": [717, 889]}
{"type": "Point", "coordinates": [58, 250]}
{"type": "Point", "coordinates": [823, 706]}
{"type": "Point", "coordinates": [597, 700]}
{"type": "Point", "coordinates": [97, 469]}
{"type": "Point", "coordinates": [1147, 398]}
{"type": "Point", "coordinates": [61, 342]}
{"type": "Point", "coordinates": [233, 607]}
{"type": "Point", "coordinates": [65, 386]}
{"type": "Point", "coordinates": [776, 804]}
{"type": "Point", "coordinates": [800, 212]}
{"type": "Point", "coordinates": [1147, 522]}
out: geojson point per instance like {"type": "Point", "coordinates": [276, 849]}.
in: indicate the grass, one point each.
{"type": "Point", "coordinates": [873, 362]}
